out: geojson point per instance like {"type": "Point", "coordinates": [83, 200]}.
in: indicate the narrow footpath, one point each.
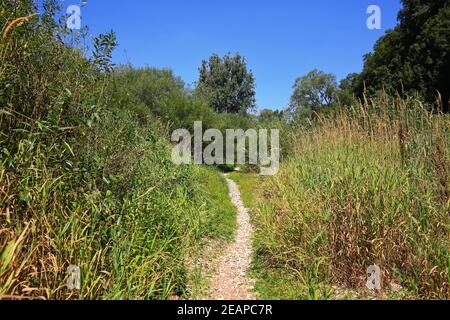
{"type": "Point", "coordinates": [231, 280]}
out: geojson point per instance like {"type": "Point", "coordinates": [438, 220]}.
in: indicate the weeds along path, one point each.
{"type": "Point", "coordinates": [231, 281]}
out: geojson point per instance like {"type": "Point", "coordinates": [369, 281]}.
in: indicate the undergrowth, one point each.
{"type": "Point", "coordinates": [86, 177]}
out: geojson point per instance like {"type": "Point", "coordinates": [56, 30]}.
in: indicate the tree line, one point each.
{"type": "Point", "coordinates": [411, 59]}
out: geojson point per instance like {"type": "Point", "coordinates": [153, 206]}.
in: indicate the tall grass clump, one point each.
{"type": "Point", "coordinates": [85, 174]}
{"type": "Point", "coordinates": [367, 186]}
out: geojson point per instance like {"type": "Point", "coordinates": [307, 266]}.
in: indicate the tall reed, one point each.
{"type": "Point", "coordinates": [367, 186]}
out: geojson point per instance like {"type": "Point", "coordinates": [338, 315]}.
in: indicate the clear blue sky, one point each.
{"type": "Point", "coordinates": [281, 39]}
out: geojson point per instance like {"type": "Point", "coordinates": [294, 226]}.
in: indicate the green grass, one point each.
{"type": "Point", "coordinates": [248, 183]}
{"type": "Point", "coordinates": [217, 230]}
{"type": "Point", "coordinates": [86, 173]}
{"type": "Point", "coordinates": [221, 222]}
{"type": "Point", "coordinates": [87, 179]}
{"type": "Point", "coordinates": [272, 282]}
{"type": "Point", "coordinates": [275, 283]}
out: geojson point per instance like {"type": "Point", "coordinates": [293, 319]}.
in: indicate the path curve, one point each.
{"type": "Point", "coordinates": [231, 281]}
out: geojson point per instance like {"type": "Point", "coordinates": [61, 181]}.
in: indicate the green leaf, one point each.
{"type": "Point", "coordinates": [7, 256]}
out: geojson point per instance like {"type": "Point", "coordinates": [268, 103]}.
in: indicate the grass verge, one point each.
{"type": "Point", "coordinates": [219, 229]}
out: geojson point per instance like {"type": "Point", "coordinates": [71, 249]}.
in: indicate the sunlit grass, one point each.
{"type": "Point", "coordinates": [369, 187]}
{"type": "Point", "coordinates": [248, 183]}
{"type": "Point", "coordinates": [86, 176]}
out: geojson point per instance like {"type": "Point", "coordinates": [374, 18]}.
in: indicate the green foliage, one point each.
{"type": "Point", "coordinates": [247, 182]}
{"type": "Point", "coordinates": [104, 45]}
{"type": "Point", "coordinates": [414, 57]}
{"type": "Point", "coordinates": [86, 176]}
{"type": "Point", "coordinates": [315, 91]}
{"type": "Point", "coordinates": [85, 171]}
{"type": "Point", "coordinates": [268, 115]}
{"type": "Point", "coordinates": [345, 94]}
{"type": "Point", "coordinates": [272, 282]}
{"type": "Point", "coordinates": [227, 85]}
{"type": "Point", "coordinates": [160, 93]}
{"type": "Point", "coordinates": [165, 96]}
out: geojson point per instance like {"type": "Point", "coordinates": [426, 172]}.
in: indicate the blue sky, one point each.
{"type": "Point", "coordinates": [281, 39]}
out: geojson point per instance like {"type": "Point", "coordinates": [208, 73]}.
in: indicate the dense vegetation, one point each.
{"type": "Point", "coordinates": [86, 176]}
{"type": "Point", "coordinates": [415, 56]}
{"type": "Point", "coordinates": [364, 181]}
{"type": "Point", "coordinates": [85, 172]}
{"type": "Point", "coordinates": [227, 85]}
{"type": "Point", "coordinates": [369, 186]}
{"type": "Point", "coordinates": [411, 59]}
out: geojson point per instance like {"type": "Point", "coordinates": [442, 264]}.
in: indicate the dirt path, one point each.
{"type": "Point", "coordinates": [231, 281]}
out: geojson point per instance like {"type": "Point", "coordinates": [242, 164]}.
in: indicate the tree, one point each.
{"type": "Point", "coordinates": [268, 115]}
{"type": "Point", "coordinates": [415, 56]}
{"type": "Point", "coordinates": [315, 91]}
{"type": "Point", "coordinates": [227, 84]}
{"type": "Point", "coordinates": [345, 93]}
